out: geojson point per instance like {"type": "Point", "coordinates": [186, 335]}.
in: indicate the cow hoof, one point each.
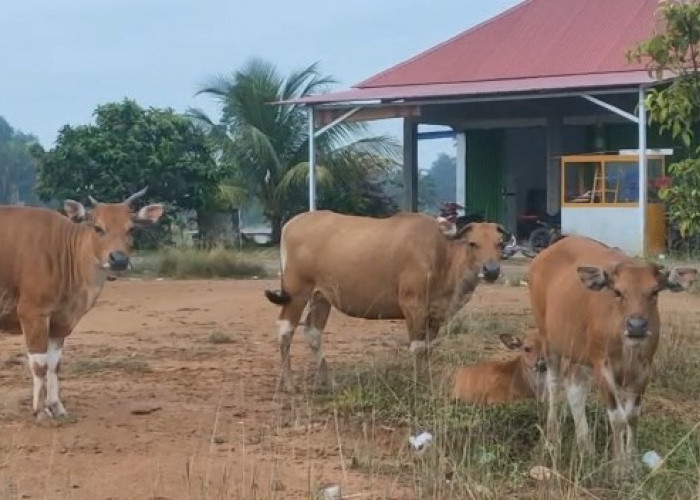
{"type": "Point", "coordinates": [55, 410]}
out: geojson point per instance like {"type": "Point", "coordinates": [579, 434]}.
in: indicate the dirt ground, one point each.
{"type": "Point", "coordinates": [172, 389]}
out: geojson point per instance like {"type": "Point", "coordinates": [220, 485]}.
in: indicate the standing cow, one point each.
{"type": "Point", "coordinates": [597, 308]}
{"type": "Point", "coordinates": [399, 267]}
{"type": "Point", "coordinates": [52, 269]}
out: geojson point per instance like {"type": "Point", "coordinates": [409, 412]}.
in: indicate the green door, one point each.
{"type": "Point", "coordinates": [485, 173]}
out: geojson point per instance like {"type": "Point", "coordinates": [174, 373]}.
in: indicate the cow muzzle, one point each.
{"type": "Point", "coordinates": [636, 327]}
{"type": "Point", "coordinates": [118, 261]}
{"type": "Point", "coordinates": [491, 270]}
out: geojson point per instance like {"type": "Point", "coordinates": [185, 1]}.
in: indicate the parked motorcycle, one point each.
{"type": "Point", "coordinates": [548, 232]}
{"type": "Point", "coordinates": [450, 211]}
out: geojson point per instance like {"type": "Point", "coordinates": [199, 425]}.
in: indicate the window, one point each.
{"type": "Point", "coordinates": [608, 180]}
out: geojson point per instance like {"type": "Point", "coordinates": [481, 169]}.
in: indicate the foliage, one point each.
{"type": "Point", "coordinates": [675, 106]}
{"type": "Point", "coordinates": [184, 263]}
{"type": "Point", "coordinates": [17, 166]}
{"type": "Point", "coordinates": [266, 145]}
{"type": "Point", "coordinates": [443, 176]}
{"type": "Point", "coordinates": [127, 148]}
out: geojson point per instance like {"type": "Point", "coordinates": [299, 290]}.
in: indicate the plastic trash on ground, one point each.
{"type": "Point", "coordinates": [421, 441]}
{"type": "Point", "coordinates": [652, 460]}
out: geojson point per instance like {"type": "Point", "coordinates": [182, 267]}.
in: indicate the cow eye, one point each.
{"type": "Point", "coordinates": [473, 244]}
{"type": "Point", "coordinates": [99, 230]}
{"type": "Point", "coordinates": [528, 349]}
{"type": "Point", "coordinates": [617, 294]}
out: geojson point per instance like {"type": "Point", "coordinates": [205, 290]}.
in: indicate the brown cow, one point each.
{"type": "Point", "coordinates": [399, 267]}
{"type": "Point", "coordinates": [597, 308]}
{"type": "Point", "coordinates": [52, 271]}
{"type": "Point", "coordinates": [521, 377]}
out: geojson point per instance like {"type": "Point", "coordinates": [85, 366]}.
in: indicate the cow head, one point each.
{"type": "Point", "coordinates": [533, 363]}
{"type": "Point", "coordinates": [113, 225]}
{"type": "Point", "coordinates": [635, 288]}
{"type": "Point", "coordinates": [485, 241]}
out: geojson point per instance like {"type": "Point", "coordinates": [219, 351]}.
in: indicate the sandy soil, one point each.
{"type": "Point", "coordinates": [213, 425]}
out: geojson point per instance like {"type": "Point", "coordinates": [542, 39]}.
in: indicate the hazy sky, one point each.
{"type": "Point", "coordinates": [60, 59]}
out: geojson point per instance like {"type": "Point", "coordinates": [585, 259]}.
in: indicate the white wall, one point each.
{"type": "Point", "coordinates": [614, 226]}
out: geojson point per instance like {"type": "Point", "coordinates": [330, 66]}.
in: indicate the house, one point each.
{"type": "Point", "coordinates": [542, 101]}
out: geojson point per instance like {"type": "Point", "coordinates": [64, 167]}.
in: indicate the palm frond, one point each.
{"type": "Point", "coordinates": [298, 175]}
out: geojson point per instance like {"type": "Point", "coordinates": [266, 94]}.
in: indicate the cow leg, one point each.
{"type": "Point", "coordinates": [35, 327]}
{"type": "Point", "coordinates": [553, 385]}
{"type": "Point", "coordinates": [316, 319]}
{"type": "Point", "coordinates": [54, 406]}
{"type": "Point", "coordinates": [286, 324]}
{"type": "Point", "coordinates": [577, 389]}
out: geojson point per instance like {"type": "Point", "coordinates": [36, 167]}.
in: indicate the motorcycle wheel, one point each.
{"type": "Point", "coordinates": [539, 239]}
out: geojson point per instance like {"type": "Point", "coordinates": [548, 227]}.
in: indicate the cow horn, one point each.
{"type": "Point", "coordinates": [135, 196]}
{"type": "Point", "coordinates": [92, 200]}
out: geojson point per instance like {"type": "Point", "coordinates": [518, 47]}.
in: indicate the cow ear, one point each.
{"type": "Point", "coordinates": [465, 230]}
{"type": "Point", "coordinates": [75, 210]}
{"type": "Point", "coordinates": [681, 278]}
{"type": "Point", "coordinates": [511, 341]}
{"type": "Point", "coordinates": [594, 278]}
{"type": "Point", "coordinates": [150, 214]}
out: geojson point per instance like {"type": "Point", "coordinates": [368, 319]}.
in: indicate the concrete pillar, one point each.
{"type": "Point", "coordinates": [461, 184]}
{"type": "Point", "coordinates": [410, 165]}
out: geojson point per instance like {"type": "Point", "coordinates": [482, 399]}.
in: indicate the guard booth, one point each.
{"type": "Point", "coordinates": [600, 199]}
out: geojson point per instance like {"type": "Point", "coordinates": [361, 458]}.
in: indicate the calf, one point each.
{"type": "Point", "coordinates": [521, 377]}
{"type": "Point", "coordinates": [398, 267]}
{"type": "Point", "coordinates": [597, 308]}
{"type": "Point", "coordinates": [52, 269]}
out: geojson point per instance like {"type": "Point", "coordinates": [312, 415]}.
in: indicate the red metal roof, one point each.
{"type": "Point", "coordinates": [438, 90]}
{"type": "Point", "coordinates": [536, 38]}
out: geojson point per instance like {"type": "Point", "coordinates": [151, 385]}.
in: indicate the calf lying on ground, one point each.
{"type": "Point", "coordinates": [597, 307]}
{"type": "Point", "coordinates": [521, 377]}
{"type": "Point", "coordinates": [399, 267]}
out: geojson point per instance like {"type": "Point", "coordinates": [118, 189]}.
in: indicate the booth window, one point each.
{"type": "Point", "coordinates": [608, 180]}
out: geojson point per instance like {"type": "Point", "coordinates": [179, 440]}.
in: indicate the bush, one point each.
{"type": "Point", "coordinates": [183, 263]}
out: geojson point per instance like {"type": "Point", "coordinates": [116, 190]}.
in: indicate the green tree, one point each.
{"type": "Point", "coordinates": [127, 148]}
{"type": "Point", "coordinates": [675, 107]}
{"type": "Point", "coordinates": [17, 165]}
{"type": "Point", "coordinates": [443, 175]}
{"type": "Point", "coordinates": [266, 145]}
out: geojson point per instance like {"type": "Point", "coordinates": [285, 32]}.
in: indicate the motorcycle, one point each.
{"type": "Point", "coordinates": [548, 232]}
{"type": "Point", "coordinates": [450, 212]}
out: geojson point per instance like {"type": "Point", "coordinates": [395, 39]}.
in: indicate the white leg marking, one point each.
{"type": "Point", "coordinates": [53, 357]}
{"type": "Point", "coordinates": [284, 330]}
{"type": "Point", "coordinates": [418, 346]}
{"type": "Point", "coordinates": [576, 394]}
{"type": "Point", "coordinates": [313, 337]}
{"type": "Point", "coordinates": [37, 365]}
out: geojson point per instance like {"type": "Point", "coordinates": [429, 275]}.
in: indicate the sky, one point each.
{"type": "Point", "coordinates": [60, 59]}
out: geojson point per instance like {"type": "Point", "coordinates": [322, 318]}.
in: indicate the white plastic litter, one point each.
{"type": "Point", "coordinates": [332, 492]}
{"type": "Point", "coordinates": [651, 459]}
{"type": "Point", "coordinates": [421, 440]}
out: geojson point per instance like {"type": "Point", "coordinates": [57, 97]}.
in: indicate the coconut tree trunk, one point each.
{"type": "Point", "coordinates": [218, 228]}
{"type": "Point", "coordinates": [276, 226]}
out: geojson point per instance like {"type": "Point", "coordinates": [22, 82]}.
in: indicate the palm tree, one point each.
{"type": "Point", "coordinates": [267, 145]}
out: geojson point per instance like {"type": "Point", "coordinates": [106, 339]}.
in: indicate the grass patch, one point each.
{"type": "Point", "coordinates": [188, 263]}
{"type": "Point", "coordinates": [488, 452]}
{"type": "Point", "coordinates": [84, 366]}
{"type": "Point", "coordinates": [219, 337]}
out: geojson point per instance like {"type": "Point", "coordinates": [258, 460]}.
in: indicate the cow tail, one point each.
{"type": "Point", "coordinates": [278, 297]}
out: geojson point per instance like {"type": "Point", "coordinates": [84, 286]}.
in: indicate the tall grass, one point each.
{"type": "Point", "coordinates": [184, 263]}
{"type": "Point", "coordinates": [489, 452]}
